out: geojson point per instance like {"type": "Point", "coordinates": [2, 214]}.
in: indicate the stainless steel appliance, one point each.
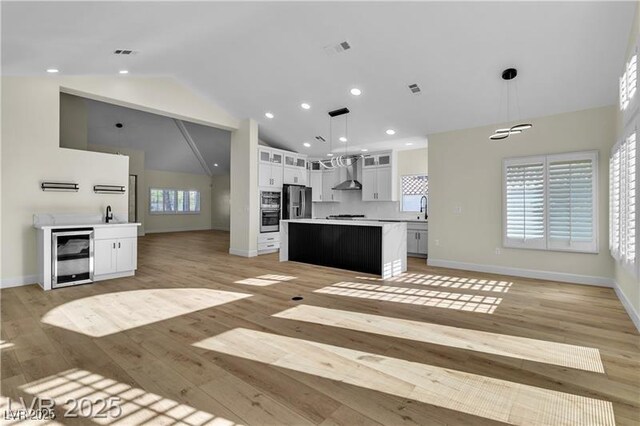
{"type": "Point", "coordinates": [270, 211]}
{"type": "Point", "coordinates": [296, 202]}
{"type": "Point", "coordinates": [71, 256]}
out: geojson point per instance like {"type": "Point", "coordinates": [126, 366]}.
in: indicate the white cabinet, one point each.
{"type": "Point", "coordinates": [417, 235]}
{"type": "Point", "coordinates": [115, 255]}
{"type": "Point", "coordinates": [295, 169]}
{"type": "Point", "coordinates": [315, 182]}
{"type": "Point", "coordinates": [378, 180]}
{"type": "Point", "coordinates": [331, 178]}
{"type": "Point", "coordinates": [270, 170]}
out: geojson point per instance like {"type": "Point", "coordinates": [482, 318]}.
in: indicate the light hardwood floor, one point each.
{"type": "Point", "coordinates": [202, 337]}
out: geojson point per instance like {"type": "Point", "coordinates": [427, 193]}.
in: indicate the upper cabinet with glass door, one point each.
{"type": "Point", "coordinates": [379, 178]}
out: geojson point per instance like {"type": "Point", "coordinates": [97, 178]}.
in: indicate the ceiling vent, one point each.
{"type": "Point", "coordinates": [124, 52]}
{"type": "Point", "coordinates": [333, 49]}
{"type": "Point", "coordinates": [320, 139]}
{"type": "Point", "coordinates": [415, 89]}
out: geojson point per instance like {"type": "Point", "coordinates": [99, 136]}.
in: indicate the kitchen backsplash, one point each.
{"type": "Point", "coordinates": [352, 203]}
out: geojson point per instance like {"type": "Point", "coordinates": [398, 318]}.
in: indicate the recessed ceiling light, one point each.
{"type": "Point", "coordinates": [268, 115]}
{"type": "Point", "coordinates": [329, 155]}
{"type": "Point", "coordinates": [356, 92]}
{"type": "Point", "coordinates": [343, 139]}
{"type": "Point", "coordinates": [123, 72]}
{"type": "Point", "coordinates": [52, 70]}
{"type": "Point", "coordinates": [215, 164]}
{"type": "Point", "coordinates": [305, 106]}
{"type": "Point", "coordinates": [409, 143]}
{"type": "Point", "coordinates": [364, 150]}
{"type": "Point", "coordinates": [391, 132]}
{"type": "Point", "coordinates": [307, 144]}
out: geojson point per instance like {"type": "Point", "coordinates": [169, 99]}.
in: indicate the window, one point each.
{"type": "Point", "coordinates": [623, 192]}
{"type": "Point", "coordinates": [414, 187]}
{"type": "Point", "coordinates": [628, 82]}
{"type": "Point", "coordinates": [550, 202]}
{"type": "Point", "coordinates": [173, 201]}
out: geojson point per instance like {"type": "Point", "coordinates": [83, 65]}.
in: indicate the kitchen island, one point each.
{"type": "Point", "coordinates": [374, 247]}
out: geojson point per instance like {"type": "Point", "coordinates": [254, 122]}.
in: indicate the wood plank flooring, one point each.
{"type": "Point", "coordinates": [201, 337]}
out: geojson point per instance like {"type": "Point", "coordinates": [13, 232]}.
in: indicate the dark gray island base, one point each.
{"type": "Point", "coordinates": [377, 248]}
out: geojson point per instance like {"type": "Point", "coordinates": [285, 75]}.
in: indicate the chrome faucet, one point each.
{"type": "Point", "coordinates": [423, 208]}
{"type": "Point", "coordinates": [109, 215]}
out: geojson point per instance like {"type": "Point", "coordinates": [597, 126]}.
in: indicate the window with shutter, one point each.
{"type": "Point", "coordinates": [173, 201]}
{"type": "Point", "coordinates": [571, 195]}
{"type": "Point", "coordinates": [524, 203]}
{"type": "Point", "coordinates": [550, 202]}
{"type": "Point", "coordinates": [623, 216]}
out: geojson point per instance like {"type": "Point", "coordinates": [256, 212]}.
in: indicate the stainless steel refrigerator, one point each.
{"type": "Point", "coordinates": [296, 202]}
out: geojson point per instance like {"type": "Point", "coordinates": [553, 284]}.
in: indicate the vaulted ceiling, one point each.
{"type": "Point", "coordinates": [164, 145]}
{"type": "Point", "coordinates": [257, 57]}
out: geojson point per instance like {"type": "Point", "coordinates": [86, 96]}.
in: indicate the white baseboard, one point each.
{"type": "Point", "coordinates": [187, 229]}
{"type": "Point", "coordinates": [635, 318]}
{"type": "Point", "coordinates": [243, 253]}
{"type": "Point", "coordinates": [527, 273]}
{"type": "Point", "coordinates": [18, 281]}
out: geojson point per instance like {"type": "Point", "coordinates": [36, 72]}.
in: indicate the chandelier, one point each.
{"type": "Point", "coordinates": [508, 75]}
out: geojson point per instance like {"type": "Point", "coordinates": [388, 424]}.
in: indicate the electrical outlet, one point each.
{"type": "Point", "coordinates": [498, 251]}
{"type": "Point", "coordinates": [437, 242]}
{"type": "Point", "coordinates": [457, 210]}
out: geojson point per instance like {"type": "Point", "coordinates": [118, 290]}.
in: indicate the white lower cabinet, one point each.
{"type": "Point", "coordinates": [268, 242]}
{"type": "Point", "coordinates": [417, 235]}
{"type": "Point", "coordinates": [114, 255]}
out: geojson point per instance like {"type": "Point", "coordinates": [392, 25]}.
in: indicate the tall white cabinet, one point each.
{"type": "Point", "coordinates": [378, 178]}
{"type": "Point", "coordinates": [270, 168]}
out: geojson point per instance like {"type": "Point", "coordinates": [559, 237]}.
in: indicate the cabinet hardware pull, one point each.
{"type": "Point", "coordinates": [118, 245]}
{"type": "Point", "coordinates": [114, 245]}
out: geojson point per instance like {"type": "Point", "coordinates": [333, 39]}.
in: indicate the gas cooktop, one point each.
{"type": "Point", "coordinates": [345, 216]}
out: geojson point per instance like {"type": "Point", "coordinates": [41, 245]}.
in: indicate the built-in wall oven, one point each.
{"type": "Point", "coordinates": [71, 256]}
{"type": "Point", "coordinates": [270, 211]}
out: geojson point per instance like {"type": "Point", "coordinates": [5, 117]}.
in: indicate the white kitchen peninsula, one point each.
{"type": "Point", "coordinates": [378, 248]}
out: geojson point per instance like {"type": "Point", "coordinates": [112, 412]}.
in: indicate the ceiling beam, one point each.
{"type": "Point", "coordinates": [192, 144]}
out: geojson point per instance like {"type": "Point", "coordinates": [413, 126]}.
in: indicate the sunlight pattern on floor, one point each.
{"type": "Point", "coordinates": [482, 396]}
{"type": "Point", "coordinates": [561, 354]}
{"type": "Point", "coordinates": [110, 313]}
{"type": "Point", "coordinates": [138, 406]}
{"type": "Point", "coordinates": [264, 280]}
{"type": "Point", "coordinates": [447, 282]}
{"type": "Point", "coordinates": [414, 296]}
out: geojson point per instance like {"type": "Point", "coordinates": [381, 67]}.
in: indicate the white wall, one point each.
{"type": "Point", "coordinates": [136, 167]}
{"type": "Point", "coordinates": [244, 225]}
{"type": "Point", "coordinates": [220, 202]}
{"type": "Point", "coordinates": [410, 162]}
{"type": "Point", "coordinates": [73, 122]}
{"type": "Point", "coordinates": [465, 170]}
{"type": "Point", "coordinates": [31, 152]}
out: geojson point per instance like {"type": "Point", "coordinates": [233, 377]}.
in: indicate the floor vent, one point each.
{"type": "Point", "coordinates": [415, 89]}
{"type": "Point", "coordinates": [320, 139]}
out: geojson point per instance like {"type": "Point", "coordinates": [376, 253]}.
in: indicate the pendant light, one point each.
{"type": "Point", "coordinates": [508, 75]}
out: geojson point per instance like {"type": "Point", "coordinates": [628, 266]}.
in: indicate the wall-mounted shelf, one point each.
{"type": "Point", "coordinates": [108, 189]}
{"type": "Point", "coordinates": [59, 186]}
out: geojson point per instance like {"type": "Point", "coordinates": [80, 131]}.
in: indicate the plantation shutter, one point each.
{"type": "Point", "coordinates": [614, 204]}
{"type": "Point", "coordinates": [629, 211]}
{"type": "Point", "coordinates": [524, 203]}
{"type": "Point", "coordinates": [571, 202]}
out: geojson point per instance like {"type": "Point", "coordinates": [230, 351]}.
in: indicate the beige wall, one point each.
{"type": "Point", "coordinates": [31, 152]}
{"type": "Point", "coordinates": [627, 283]}
{"type": "Point", "coordinates": [73, 122]}
{"type": "Point", "coordinates": [412, 162]}
{"type": "Point", "coordinates": [465, 170]}
{"type": "Point", "coordinates": [177, 222]}
{"type": "Point", "coordinates": [220, 202]}
{"type": "Point", "coordinates": [136, 167]}
{"type": "Point", "coordinates": [244, 224]}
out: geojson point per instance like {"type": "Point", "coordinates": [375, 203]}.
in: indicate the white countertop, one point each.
{"type": "Point", "coordinates": [87, 225]}
{"type": "Point", "coordinates": [394, 219]}
{"type": "Point", "coordinates": [342, 222]}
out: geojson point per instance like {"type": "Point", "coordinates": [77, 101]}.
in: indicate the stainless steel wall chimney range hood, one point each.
{"type": "Point", "coordinates": [351, 184]}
